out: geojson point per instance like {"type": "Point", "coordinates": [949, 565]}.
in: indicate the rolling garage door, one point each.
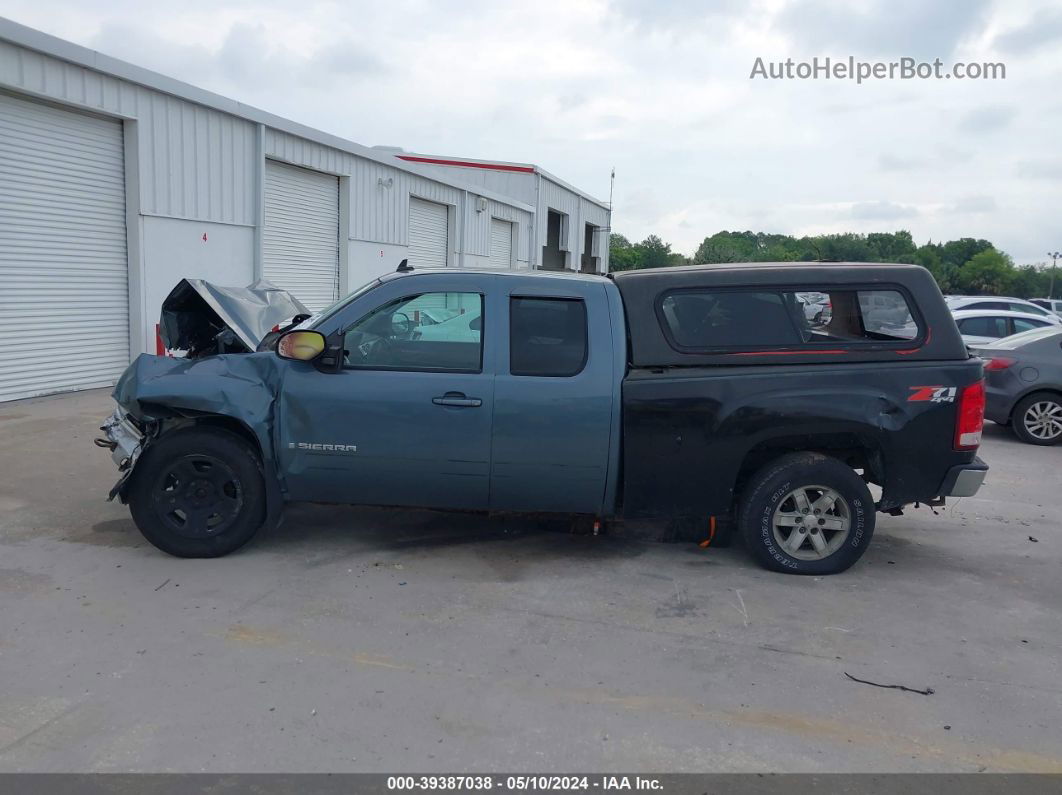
{"type": "Point", "coordinates": [427, 233]}
{"type": "Point", "coordinates": [501, 243]}
{"type": "Point", "coordinates": [300, 236]}
{"type": "Point", "coordinates": [64, 306]}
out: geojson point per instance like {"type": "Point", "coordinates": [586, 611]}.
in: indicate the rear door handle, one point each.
{"type": "Point", "coordinates": [457, 399]}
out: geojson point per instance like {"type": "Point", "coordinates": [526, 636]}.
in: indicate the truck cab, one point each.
{"type": "Point", "coordinates": [510, 410]}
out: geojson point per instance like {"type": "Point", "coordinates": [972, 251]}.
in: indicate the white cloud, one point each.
{"type": "Point", "coordinates": [882, 211]}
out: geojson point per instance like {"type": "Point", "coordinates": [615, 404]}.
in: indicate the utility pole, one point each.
{"type": "Point", "coordinates": [1054, 255]}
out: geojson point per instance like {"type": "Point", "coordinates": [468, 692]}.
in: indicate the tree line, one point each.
{"type": "Point", "coordinates": [966, 266]}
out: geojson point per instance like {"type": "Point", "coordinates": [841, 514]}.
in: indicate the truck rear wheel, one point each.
{"type": "Point", "coordinates": [806, 513]}
{"type": "Point", "coordinates": [197, 493]}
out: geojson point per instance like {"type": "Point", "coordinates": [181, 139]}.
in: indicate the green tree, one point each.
{"type": "Point", "coordinates": [891, 246]}
{"type": "Point", "coordinates": [966, 265]}
{"type": "Point", "coordinates": [989, 272]}
{"type": "Point", "coordinates": [928, 256]}
{"type": "Point", "coordinates": [959, 252]}
{"type": "Point", "coordinates": [1030, 281]}
{"type": "Point", "coordinates": [653, 253]}
{"type": "Point", "coordinates": [621, 255]}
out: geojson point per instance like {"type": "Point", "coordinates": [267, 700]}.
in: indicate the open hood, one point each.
{"type": "Point", "coordinates": [204, 318]}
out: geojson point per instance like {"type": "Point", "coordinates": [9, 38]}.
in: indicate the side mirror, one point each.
{"type": "Point", "coordinates": [302, 346]}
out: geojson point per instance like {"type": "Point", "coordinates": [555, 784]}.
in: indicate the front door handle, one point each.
{"type": "Point", "coordinates": [457, 399]}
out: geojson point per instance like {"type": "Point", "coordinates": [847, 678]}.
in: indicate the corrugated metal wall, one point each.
{"type": "Point", "coordinates": [200, 164]}
{"type": "Point", "coordinates": [580, 212]}
{"type": "Point", "coordinates": [477, 228]}
{"type": "Point", "coordinates": [518, 184]}
{"type": "Point", "coordinates": [195, 162]}
{"type": "Point", "coordinates": [598, 216]}
{"type": "Point", "coordinates": [379, 194]}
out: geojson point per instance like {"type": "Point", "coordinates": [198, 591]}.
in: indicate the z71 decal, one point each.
{"type": "Point", "coordinates": [932, 394]}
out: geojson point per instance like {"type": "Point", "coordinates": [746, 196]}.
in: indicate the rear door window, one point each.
{"type": "Point", "coordinates": [1026, 308]}
{"type": "Point", "coordinates": [1021, 324]}
{"type": "Point", "coordinates": [987, 326]}
{"type": "Point", "coordinates": [547, 336]}
{"type": "Point", "coordinates": [699, 320]}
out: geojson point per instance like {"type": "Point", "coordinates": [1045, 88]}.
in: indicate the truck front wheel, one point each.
{"type": "Point", "coordinates": [198, 493]}
{"type": "Point", "coordinates": [806, 513]}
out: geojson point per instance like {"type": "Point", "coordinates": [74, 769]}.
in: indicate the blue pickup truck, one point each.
{"type": "Point", "coordinates": [706, 396]}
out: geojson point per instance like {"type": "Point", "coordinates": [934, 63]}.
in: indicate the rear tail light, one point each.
{"type": "Point", "coordinates": [999, 363]}
{"type": "Point", "coordinates": [970, 416]}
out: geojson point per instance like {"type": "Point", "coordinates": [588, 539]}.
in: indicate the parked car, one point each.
{"type": "Point", "coordinates": [1050, 304]}
{"type": "Point", "coordinates": [695, 396]}
{"type": "Point", "coordinates": [465, 327]}
{"type": "Point", "coordinates": [979, 327]}
{"type": "Point", "coordinates": [816, 306]}
{"type": "Point", "coordinates": [961, 303]}
{"type": "Point", "coordinates": [1023, 383]}
{"type": "Point", "coordinates": [430, 316]}
{"type": "Point", "coordinates": [884, 309]}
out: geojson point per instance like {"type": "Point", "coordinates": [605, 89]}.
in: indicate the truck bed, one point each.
{"type": "Point", "coordinates": [691, 435]}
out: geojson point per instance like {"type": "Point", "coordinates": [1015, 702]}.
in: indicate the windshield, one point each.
{"type": "Point", "coordinates": [324, 314]}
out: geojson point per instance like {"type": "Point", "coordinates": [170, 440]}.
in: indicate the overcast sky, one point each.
{"type": "Point", "coordinates": [659, 89]}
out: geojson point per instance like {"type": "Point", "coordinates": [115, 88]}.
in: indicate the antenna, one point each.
{"type": "Point", "coordinates": [404, 267]}
{"type": "Point", "coordinates": [611, 188]}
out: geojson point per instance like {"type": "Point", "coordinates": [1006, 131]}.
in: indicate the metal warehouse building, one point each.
{"type": "Point", "coordinates": [116, 182]}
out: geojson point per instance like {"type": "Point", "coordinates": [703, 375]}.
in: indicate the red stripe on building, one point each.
{"type": "Point", "coordinates": [489, 166]}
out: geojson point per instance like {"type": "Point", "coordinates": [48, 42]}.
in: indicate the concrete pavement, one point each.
{"type": "Point", "coordinates": [370, 640]}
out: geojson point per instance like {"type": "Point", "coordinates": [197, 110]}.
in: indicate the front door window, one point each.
{"type": "Point", "coordinates": [435, 332]}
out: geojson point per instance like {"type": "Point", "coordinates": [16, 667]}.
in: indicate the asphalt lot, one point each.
{"type": "Point", "coordinates": [366, 640]}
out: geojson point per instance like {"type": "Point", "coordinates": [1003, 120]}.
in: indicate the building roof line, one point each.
{"type": "Point", "coordinates": [496, 165]}
{"type": "Point", "coordinates": [55, 47]}
{"type": "Point", "coordinates": [439, 161]}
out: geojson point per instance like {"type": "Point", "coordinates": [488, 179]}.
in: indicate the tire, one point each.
{"type": "Point", "coordinates": [198, 493]}
{"type": "Point", "coordinates": [771, 512]}
{"type": "Point", "coordinates": [1045, 406]}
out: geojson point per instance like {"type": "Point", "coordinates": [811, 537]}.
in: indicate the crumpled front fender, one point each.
{"type": "Point", "coordinates": [242, 387]}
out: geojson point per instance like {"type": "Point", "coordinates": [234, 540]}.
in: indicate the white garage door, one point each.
{"type": "Point", "coordinates": [300, 236]}
{"type": "Point", "coordinates": [427, 233]}
{"type": "Point", "coordinates": [501, 243]}
{"type": "Point", "coordinates": [64, 306]}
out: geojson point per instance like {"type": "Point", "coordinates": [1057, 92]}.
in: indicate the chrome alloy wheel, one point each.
{"type": "Point", "coordinates": [1043, 420]}
{"type": "Point", "coordinates": [811, 522]}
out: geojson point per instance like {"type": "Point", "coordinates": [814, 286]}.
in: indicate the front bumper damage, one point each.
{"type": "Point", "coordinates": [157, 395]}
{"type": "Point", "coordinates": [126, 443]}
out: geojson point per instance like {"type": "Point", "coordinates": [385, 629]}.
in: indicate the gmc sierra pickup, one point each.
{"type": "Point", "coordinates": [701, 394]}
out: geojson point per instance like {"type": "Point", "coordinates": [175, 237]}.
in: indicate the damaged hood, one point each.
{"type": "Point", "coordinates": [205, 318]}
